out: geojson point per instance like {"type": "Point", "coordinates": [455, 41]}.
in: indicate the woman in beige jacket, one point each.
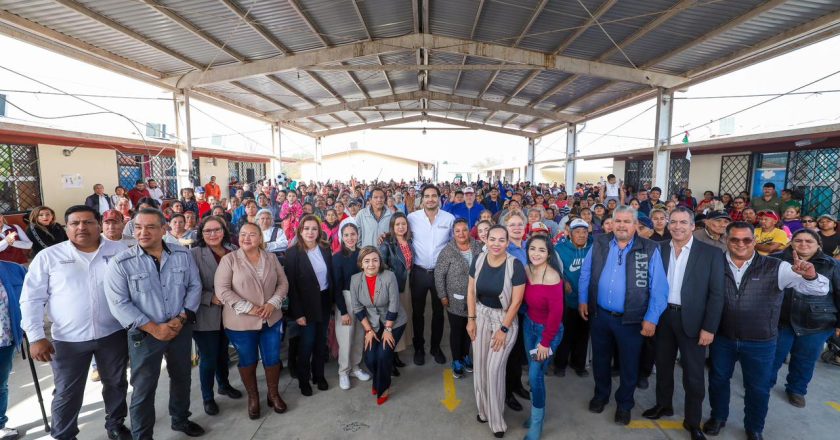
{"type": "Point", "coordinates": [252, 285]}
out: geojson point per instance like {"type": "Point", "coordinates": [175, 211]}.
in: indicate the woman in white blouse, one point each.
{"type": "Point", "coordinates": [273, 237]}
{"type": "Point", "coordinates": [14, 244]}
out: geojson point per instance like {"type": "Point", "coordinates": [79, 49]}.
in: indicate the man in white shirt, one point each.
{"type": "Point", "coordinates": [155, 191]}
{"type": "Point", "coordinates": [689, 323]}
{"type": "Point", "coordinates": [67, 279]}
{"type": "Point", "coordinates": [431, 229]}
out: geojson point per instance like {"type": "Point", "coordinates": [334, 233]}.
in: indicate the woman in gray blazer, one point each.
{"type": "Point", "coordinates": [376, 303]}
{"type": "Point", "coordinates": [213, 243]}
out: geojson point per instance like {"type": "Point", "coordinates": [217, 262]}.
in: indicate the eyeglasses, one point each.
{"type": "Point", "coordinates": [212, 231]}
{"type": "Point", "coordinates": [808, 220]}
{"type": "Point", "coordinates": [744, 241]}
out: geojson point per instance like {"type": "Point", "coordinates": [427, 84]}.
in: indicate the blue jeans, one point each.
{"type": "Point", "coordinates": [804, 352]}
{"type": "Point", "coordinates": [213, 360]}
{"type": "Point", "coordinates": [253, 344]}
{"type": "Point", "coordinates": [756, 360]}
{"type": "Point", "coordinates": [608, 333]}
{"type": "Point", "coordinates": [7, 354]}
{"type": "Point", "coordinates": [532, 332]}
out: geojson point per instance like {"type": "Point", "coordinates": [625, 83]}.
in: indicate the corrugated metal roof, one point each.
{"type": "Point", "coordinates": [499, 22]}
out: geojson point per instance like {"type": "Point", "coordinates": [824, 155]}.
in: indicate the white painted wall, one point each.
{"type": "Point", "coordinates": [220, 170]}
{"type": "Point", "coordinates": [94, 165]}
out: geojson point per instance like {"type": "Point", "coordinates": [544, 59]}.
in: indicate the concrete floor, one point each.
{"type": "Point", "coordinates": [415, 410]}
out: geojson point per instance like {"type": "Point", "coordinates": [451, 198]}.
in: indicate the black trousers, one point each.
{"type": "Point", "coordinates": [669, 338]}
{"type": "Point", "coordinates": [573, 346]}
{"type": "Point", "coordinates": [648, 357]}
{"type": "Point", "coordinates": [513, 369]}
{"type": "Point", "coordinates": [422, 284]}
{"type": "Point", "coordinates": [459, 340]}
{"type": "Point", "coordinates": [380, 360]}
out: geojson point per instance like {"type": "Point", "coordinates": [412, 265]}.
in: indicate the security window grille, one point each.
{"type": "Point", "coordinates": [2, 105]}
{"type": "Point", "coordinates": [815, 176]}
{"type": "Point", "coordinates": [735, 174]}
{"type": "Point", "coordinates": [194, 173]}
{"type": "Point", "coordinates": [246, 172]}
{"type": "Point", "coordinates": [156, 130]}
{"type": "Point", "coordinates": [637, 172]}
{"type": "Point", "coordinates": [134, 167]}
{"type": "Point", "coordinates": [20, 180]}
{"type": "Point", "coordinates": [678, 175]}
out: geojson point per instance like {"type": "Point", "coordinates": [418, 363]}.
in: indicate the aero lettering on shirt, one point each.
{"type": "Point", "coordinates": [641, 267]}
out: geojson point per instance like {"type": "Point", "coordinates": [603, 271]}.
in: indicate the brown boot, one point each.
{"type": "Point", "coordinates": [249, 379]}
{"type": "Point", "coordinates": [272, 377]}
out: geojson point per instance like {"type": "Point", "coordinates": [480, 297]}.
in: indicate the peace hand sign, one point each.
{"type": "Point", "coordinates": [803, 268]}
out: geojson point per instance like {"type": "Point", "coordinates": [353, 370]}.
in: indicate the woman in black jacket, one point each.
{"type": "Point", "coordinates": [308, 268]}
{"type": "Point", "coordinates": [398, 255]}
{"type": "Point", "coordinates": [806, 322]}
{"type": "Point", "coordinates": [43, 230]}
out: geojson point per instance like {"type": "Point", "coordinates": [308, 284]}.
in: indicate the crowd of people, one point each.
{"type": "Point", "coordinates": [528, 275]}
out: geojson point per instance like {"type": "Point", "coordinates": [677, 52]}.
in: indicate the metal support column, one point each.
{"type": "Point", "coordinates": [183, 130]}
{"type": "Point", "coordinates": [276, 149]}
{"type": "Point", "coordinates": [571, 154]}
{"type": "Point", "coordinates": [318, 159]}
{"type": "Point", "coordinates": [661, 155]}
{"type": "Point", "coordinates": [529, 170]}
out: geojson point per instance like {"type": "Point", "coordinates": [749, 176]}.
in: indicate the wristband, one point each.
{"type": "Point", "coordinates": [504, 329]}
{"type": "Point", "coordinates": [389, 329]}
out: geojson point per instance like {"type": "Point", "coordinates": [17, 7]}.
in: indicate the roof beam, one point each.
{"type": "Point", "coordinates": [191, 28]}
{"type": "Point", "coordinates": [418, 95]}
{"type": "Point", "coordinates": [370, 38]}
{"type": "Point", "coordinates": [425, 41]}
{"type": "Point", "coordinates": [369, 125]}
{"type": "Point", "coordinates": [292, 90]}
{"type": "Point", "coordinates": [261, 95]}
{"type": "Point", "coordinates": [585, 26]}
{"type": "Point", "coordinates": [255, 26]}
{"type": "Point", "coordinates": [328, 88]}
{"type": "Point", "coordinates": [552, 128]}
{"type": "Point", "coordinates": [472, 36]}
{"type": "Point", "coordinates": [477, 126]}
{"type": "Point", "coordinates": [412, 67]}
{"type": "Point", "coordinates": [437, 119]}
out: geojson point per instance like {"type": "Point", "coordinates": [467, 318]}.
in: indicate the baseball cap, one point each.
{"type": "Point", "coordinates": [578, 223]}
{"type": "Point", "coordinates": [714, 215]}
{"type": "Point", "coordinates": [199, 190]}
{"type": "Point", "coordinates": [112, 215]}
{"type": "Point", "coordinates": [768, 213]}
{"type": "Point", "coordinates": [646, 222]}
{"type": "Point", "coordinates": [539, 227]}
{"type": "Point", "coordinates": [469, 189]}
{"type": "Point", "coordinates": [828, 216]}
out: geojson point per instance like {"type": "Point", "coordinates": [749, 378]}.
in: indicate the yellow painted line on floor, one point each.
{"type": "Point", "coordinates": [834, 405]}
{"type": "Point", "coordinates": [450, 398]}
{"type": "Point", "coordinates": [641, 424]}
{"type": "Point", "coordinates": [670, 424]}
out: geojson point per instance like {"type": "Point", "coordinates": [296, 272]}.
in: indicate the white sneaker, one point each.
{"type": "Point", "coordinates": [8, 433]}
{"type": "Point", "coordinates": [344, 381]}
{"type": "Point", "coordinates": [361, 374]}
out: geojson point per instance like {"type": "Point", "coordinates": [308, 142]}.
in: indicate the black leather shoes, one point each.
{"type": "Point", "coordinates": [322, 384]}
{"type": "Point", "coordinates": [119, 433]}
{"type": "Point", "coordinates": [305, 389]}
{"type": "Point", "coordinates": [523, 393]}
{"type": "Point", "coordinates": [398, 362]}
{"type": "Point", "coordinates": [622, 417]}
{"type": "Point", "coordinates": [713, 426]}
{"type": "Point", "coordinates": [191, 429]}
{"type": "Point", "coordinates": [754, 436]}
{"type": "Point", "coordinates": [694, 432]}
{"type": "Point", "coordinates": [582, 373]}
{"type": "Point", "coordinates": [230, 391]}
{"type": "Point", "coordinates": [512, 403]}
{"type": "Point", "coordinates": [642, 383]}
{"type": "Point", "coordinates": [419, 357]}
{"type": "Point", "coordinates": [657, 412]}
{"type": "Point", "coordinates": [439, 356]}
{"type": "Point", "coordinates": [210, 407]}
{"type": "Point", "coordinates": [596, 406]}
{"type": "Point", "coordinates": [395, 372]}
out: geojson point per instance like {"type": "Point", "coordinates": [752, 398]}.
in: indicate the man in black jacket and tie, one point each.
{"type": "Point", "coordinates": [695, 304]}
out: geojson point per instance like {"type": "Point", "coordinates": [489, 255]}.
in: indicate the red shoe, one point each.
{"type": "Point", "coordinates": [373, 391]}
{"type": "Point", "coordinates": [381, 400]}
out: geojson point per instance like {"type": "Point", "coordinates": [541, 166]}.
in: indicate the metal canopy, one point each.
{"type": "Point", "coordinates": [322, 67]}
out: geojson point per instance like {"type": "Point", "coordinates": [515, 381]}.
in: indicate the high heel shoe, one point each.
{"type": "Point", "coordinates": [398, 362]}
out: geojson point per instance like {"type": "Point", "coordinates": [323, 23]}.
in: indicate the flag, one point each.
{"type": "Point", "coordinates": [687, 150]}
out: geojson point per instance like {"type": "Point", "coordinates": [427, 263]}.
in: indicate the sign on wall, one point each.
{"type": "Point", "coordinates": [72, 181]}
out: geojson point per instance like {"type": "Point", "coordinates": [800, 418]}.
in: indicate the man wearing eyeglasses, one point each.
{"type": "Point", "coordinates": [753, 293]}
{"type": "Point", "coordinates": [624, 289]}
{"type": "Point", "coordinates": [68, 281]}
{"type": "Point", "coordinates": [689, 324]}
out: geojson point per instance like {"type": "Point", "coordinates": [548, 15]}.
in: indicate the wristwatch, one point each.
{"type": "Point", "coordinates": [389, 329]}
{"type": "Point", "coordinates": [504, 329]}
{"type": "Point", "coordinates": [183, 319]}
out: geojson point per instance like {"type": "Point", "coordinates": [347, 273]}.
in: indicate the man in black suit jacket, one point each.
{"type": "Point", "coordinates": [95, 200]}
{"type": "Point", "coordinates": [695, 305]}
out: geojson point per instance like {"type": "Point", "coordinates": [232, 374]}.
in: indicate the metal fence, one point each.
{"type": "Point", "coordinates": [678, 173]}
{"type": "Point", "coordinates": [20, 180]}
{"type": "Point", "coordinates": [735, 174]}
{"type": "Point", "coordinates": [638, 172]}
{"type": "Point", "coordinates": [815, 175]}
{"type": "Point", "coordinates": [134, 167]}
{"type": "Point", "coordinates": [246, 172]}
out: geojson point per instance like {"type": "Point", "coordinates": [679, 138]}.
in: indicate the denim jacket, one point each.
{"type": "Point", "coordinates": [138, 293]}
{"type": "Point", "coordinates": [11, 275]}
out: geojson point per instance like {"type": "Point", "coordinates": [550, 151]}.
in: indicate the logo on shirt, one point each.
{"type": "Point", "coordinates": [640, 268]}
{"type": "Point", "coordinates": [576, 265]}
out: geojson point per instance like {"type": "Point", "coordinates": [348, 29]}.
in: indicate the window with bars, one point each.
{"type": "Point", "coordinates": [735, 174]}
{"type": "Point", "coordinates": [195, 176]}
{"type": "Point", "coordinates": [815, 175]}
{"type": "Point", "coordinates": [134, 167]}
{"type": "Point", "coordinates": [678, 173]}
{"type": "Point", "coordinates": [637, 172]}
{"type": "Point", "coordinates": [246, 172]}
{"type": "Point", "coordinates": [20, 180]}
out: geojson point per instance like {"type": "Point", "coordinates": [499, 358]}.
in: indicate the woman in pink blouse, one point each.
{"type": "Point", "coordinates": [543, 325]}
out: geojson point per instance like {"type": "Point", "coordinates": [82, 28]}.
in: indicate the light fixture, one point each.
{"type": "Point", "coordinates": [424, 130]}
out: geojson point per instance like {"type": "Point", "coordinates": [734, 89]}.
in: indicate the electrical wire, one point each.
{"type": "Point", "coordinates": [39, 92]}
{"type": "Point", "coordinates": [619, 126]}
{"type": "Point", "coordinates": [757, 95]}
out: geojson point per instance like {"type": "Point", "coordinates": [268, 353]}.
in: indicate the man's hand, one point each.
{"type": "Point", "coordinates": [301, 321]}
{"type": "Point", "coordinates": [648, 328]}
{"type": "Point", "coordinates": [584, 311]}
{"type": "Point", "coordinates": [445, 302]}
{"type": "Point", "coordinates": [345, 319]}
{"type": "Point", "coordinates": [706, 338]}
{"type": "Point", "coordinates": [163, 332]}
{"type": "Point", "coordinates": [803, 268]}
{"type": "Point", "coordinates": [215, 300]}
{"type": "Point", "coordinates": [41, 350]}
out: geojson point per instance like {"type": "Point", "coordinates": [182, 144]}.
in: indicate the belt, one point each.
{"type": "Point", "coordinates": [416, 267]}
{"type": "Point", "coordinates": [610, 312]}
{"type": "Point", "coordinates": [674, 306]}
